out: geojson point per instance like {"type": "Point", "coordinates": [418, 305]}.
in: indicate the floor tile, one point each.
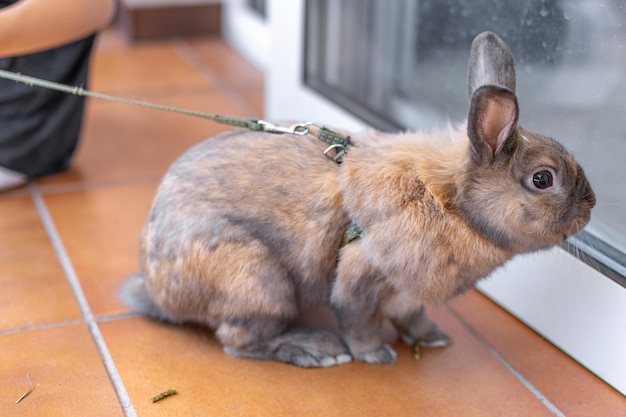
{"type": "Point", "coordinates": [65, 369]}
{"type": "Point", "coordinates": [573, 389]}
{"type": "Point", "coordinates": [231, 73]}
{"type": "Point", "coordinates": [228, 65]}
{"type": "Point", "coordinates": [256, 102]}
{"type": "Point", "coordinates": [462, 380]}
{"type": "Point", "coordinates": [17, 192]}
{"type": "Point", "coordinates": [34, 288]}
{"type": "Point", "coordinates": [100, 231]}
{"type": "Point", "coordinates": [142, 66]}
{"type": "Point", "coordinates": [122, 142]}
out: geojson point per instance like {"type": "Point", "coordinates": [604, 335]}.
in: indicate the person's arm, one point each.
{"type": "Point", "coordinates": [34, 25]}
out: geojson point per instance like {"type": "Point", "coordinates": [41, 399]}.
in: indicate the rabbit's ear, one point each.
{"type": "Point", "coordinates": [492, 122]}
{"type": "Point", "coordinates": [490, 63]}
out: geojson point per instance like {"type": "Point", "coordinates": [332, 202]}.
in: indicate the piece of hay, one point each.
{"type": "Point", "coordinates": [32, 387]}
{"type": "Point", "coordinates": [162, 395]}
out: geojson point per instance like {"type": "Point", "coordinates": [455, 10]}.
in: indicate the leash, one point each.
{"type": "Point", "coordinates": [338, 143]}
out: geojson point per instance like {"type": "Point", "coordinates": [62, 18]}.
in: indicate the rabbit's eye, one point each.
{"type": "Point", "coordinates": [542, 180]}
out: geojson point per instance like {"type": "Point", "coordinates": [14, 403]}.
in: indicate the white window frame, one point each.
{"type": "Point", "coordinates": [574, 306]}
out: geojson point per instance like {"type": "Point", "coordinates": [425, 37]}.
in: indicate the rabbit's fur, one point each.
{"type": "Point", "coordinates": [246, 227]}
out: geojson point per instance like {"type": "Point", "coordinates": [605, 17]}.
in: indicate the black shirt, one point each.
{"type": "Point", "coordinates": [39, 128]}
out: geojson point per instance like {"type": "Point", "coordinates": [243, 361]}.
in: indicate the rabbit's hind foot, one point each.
{"type": "Point", "coordinates": [306, 348]}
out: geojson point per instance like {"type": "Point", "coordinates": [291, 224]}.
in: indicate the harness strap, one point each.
{"type": "Point", "coordinates": [353, 233]}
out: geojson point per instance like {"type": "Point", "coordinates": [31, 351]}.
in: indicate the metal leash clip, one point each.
{"type": "Point", "coordinates": [336, 141]}
{"type": "Point", "coordinates": [299, 129]}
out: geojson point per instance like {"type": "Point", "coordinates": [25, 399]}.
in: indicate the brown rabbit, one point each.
{"type": "Point", "coordinates": [246, 227]}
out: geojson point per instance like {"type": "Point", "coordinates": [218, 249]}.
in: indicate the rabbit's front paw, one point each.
{"type": "Point", "coordinates": [383, 355]}
{"type": "Point", "coordinates": [435, 337]}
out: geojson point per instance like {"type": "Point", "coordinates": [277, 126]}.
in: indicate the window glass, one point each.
{"type": "Point", "coordinates": [403, 64]}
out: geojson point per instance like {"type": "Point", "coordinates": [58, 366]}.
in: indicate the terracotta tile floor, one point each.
{"type": "Point", "coordinates": [67, 242]}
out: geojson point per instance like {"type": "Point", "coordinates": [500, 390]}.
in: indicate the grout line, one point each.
{"type": "Point", "coordinates": [113, 317]}
{"type": "Point", "coordinates": [189, 55]}
{"type": "Point", "coordinates": [42, 326]}
{"type": "Point", "coordinates": [72, 279]}
{"type": "Point", "coordinates": [525, 382]}
{"type": "Point", "coordinates": [79, 185]}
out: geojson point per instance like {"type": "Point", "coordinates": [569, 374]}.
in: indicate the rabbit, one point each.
{"type": "Point", "coordinates": [246, 227]}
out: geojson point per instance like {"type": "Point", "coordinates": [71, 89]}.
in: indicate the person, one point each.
{"type": "Point", "coordinates": [39, 128]}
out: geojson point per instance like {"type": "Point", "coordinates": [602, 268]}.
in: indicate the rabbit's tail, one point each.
{"type": "Point", "coordinates": [134, 294]}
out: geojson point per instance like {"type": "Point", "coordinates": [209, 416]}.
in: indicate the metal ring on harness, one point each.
{"type": "Point", "coordinates": [340, 150]}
